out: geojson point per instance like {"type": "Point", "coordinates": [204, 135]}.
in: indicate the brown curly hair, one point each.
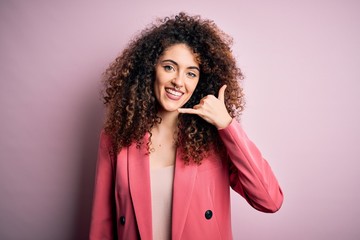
{"type": "Point", "coordinates": [128, 84]}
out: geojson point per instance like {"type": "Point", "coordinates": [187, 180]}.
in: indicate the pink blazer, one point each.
{"type": "Point", "coordinates": [201, 194]}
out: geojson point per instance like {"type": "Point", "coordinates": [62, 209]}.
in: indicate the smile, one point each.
{"type": "Point", "coordinates": [173, 92]}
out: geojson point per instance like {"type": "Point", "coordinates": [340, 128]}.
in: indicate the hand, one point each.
{"type": "Point", "coordinates": [212, 110]}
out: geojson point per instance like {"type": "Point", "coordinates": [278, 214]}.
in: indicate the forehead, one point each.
{"type": "Point", "coordinates": [180, 53]}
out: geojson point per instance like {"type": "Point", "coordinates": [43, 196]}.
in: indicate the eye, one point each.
{"type": "Point", "coordinates": [191, 75]}
{"type": "Point", "coordinates": [168, 68]}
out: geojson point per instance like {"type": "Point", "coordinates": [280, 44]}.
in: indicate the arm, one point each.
{"type": "Point", "coordinates": [251, 175]}
{"type": "Point", "coordinates": [103, 211]}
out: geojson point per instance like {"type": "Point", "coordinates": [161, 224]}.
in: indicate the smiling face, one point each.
{"type": "Point", "coordinates": [177, 74]}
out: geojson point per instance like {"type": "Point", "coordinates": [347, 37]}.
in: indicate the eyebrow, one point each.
{"type": "Point", "coordinates": [175, 63]}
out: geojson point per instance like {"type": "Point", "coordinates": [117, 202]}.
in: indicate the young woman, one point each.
{"type": "Point", "coordinates": [172, 145]}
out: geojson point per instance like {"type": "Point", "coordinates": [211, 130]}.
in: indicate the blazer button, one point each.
{"type": "Point", "coordinates": [122, 220]}
{"type": "Point", "coordinates": [208, 214]}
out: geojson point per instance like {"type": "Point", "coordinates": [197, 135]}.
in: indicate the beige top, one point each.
{"type": "Point", "coordinates": [161, 191]}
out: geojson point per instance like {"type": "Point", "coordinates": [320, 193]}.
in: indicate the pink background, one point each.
{"type": "Point", "coordinates": [302, 65]}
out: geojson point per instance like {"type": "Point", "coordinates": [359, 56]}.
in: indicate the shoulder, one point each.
{"type": "Point", "coordinates": [105, 140]}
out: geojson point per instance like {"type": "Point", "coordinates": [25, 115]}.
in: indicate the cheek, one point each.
{"type": "Point", "coordinates": [159, 80]}
{"type": "Point", "coordinates": [193, 86]}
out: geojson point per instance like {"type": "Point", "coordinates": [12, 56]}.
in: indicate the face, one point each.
{"type": "Point", "coordinates": [177, 74]}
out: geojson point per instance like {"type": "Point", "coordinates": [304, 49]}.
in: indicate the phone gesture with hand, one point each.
{"type": "Point", "coordinates": [212, 109]}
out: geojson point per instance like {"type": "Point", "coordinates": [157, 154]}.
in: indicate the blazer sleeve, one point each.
{"type": "Point", "coordinates": [250, 174]}
{"type": "Point", "coordinates": [103, 209]}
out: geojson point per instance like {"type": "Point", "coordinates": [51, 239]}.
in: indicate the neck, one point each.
{"type": "Point", "coordinates": [168, 121]}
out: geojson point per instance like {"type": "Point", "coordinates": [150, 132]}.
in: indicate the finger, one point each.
{"type": "Point", "coordinates": [197, 106]}
{"type": "Point", "coordinates": [188, 110]}
{"type": "Point", "coordinates": [222, 93]}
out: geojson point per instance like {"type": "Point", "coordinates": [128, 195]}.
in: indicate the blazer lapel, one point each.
{"type": "Point", "coordinates": [139, 182]}
{"type": "Point", "coordinates": [184, 181]}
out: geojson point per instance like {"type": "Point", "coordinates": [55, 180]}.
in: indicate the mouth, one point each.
{"type": "Point", "coordinates": [173, 94]}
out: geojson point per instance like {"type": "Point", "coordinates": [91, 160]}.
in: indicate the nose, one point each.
{"type": "Point", "coordinates": [178, 81]}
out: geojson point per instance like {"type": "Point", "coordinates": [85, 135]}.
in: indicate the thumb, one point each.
{"type": "Point", "coordinates": [221, 95]}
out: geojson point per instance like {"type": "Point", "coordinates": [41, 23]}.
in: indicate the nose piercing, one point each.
{"type": "Point", "coordinates": [176, 87]}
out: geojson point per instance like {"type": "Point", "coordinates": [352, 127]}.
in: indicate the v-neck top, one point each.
{"type": "Point", "coordinates": [161, 194]}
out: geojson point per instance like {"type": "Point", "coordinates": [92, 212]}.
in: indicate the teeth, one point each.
{"type": "Point", "coordinates": [171, 91]}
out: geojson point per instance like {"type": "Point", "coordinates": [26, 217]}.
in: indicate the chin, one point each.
{"type": "Point", "coordinates": [169, 109]}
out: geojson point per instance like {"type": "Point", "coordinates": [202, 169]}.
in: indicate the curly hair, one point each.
{"type": "Point", "coordinates": [128, 84]}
